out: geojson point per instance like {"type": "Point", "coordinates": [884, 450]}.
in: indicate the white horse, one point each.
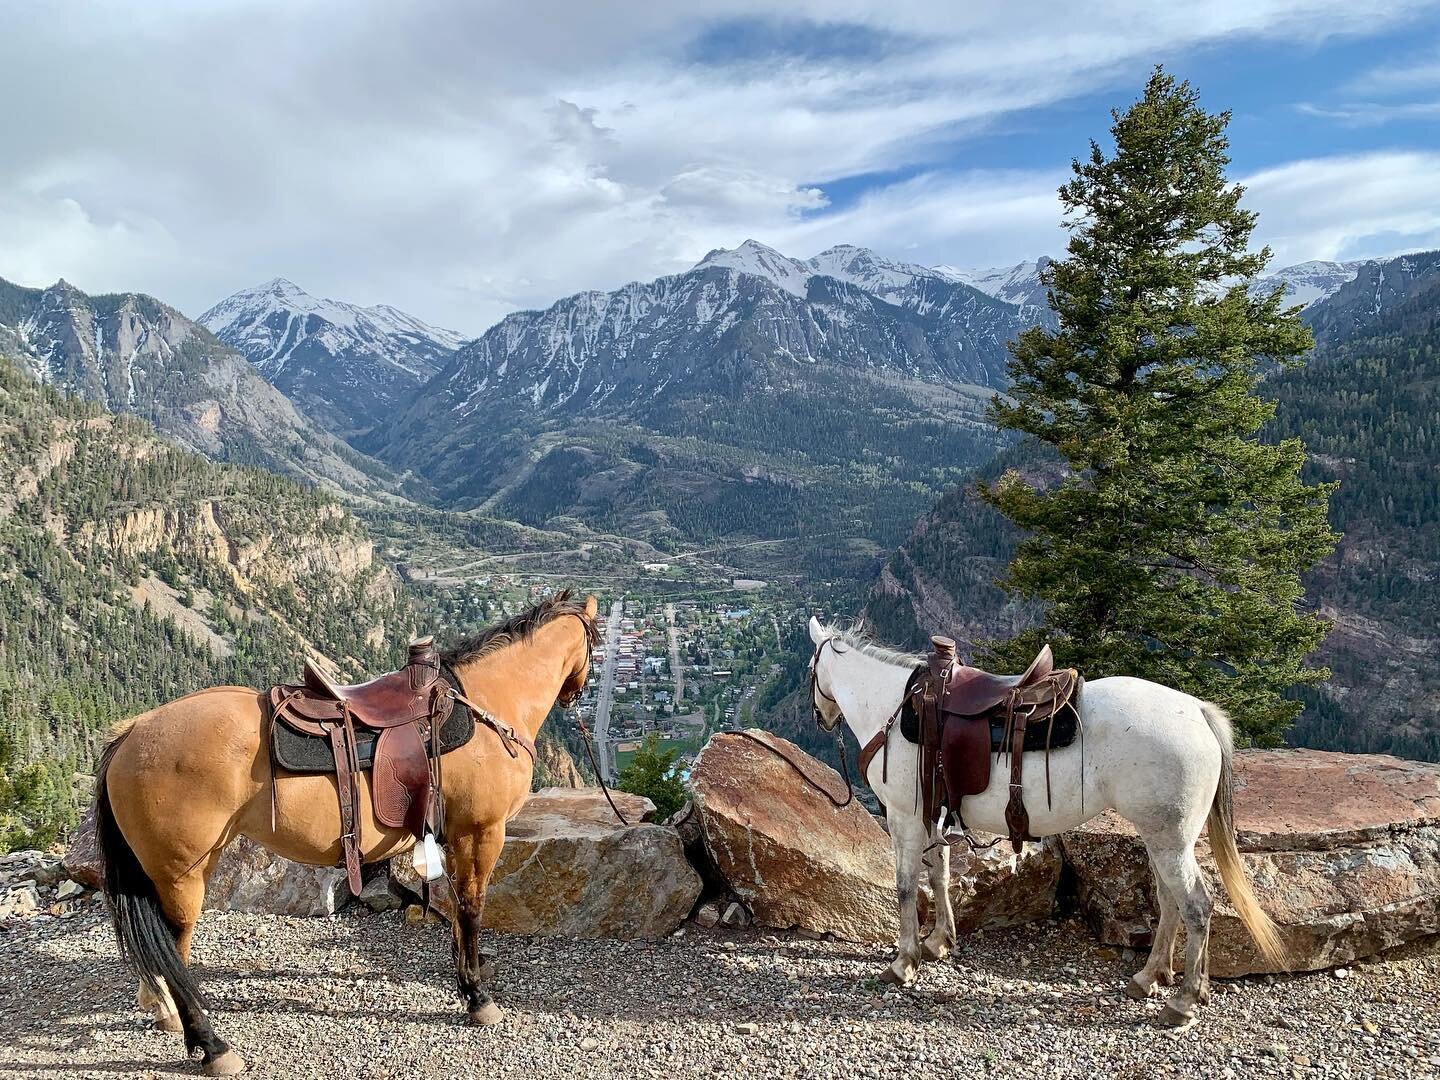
{"type": "Point", "coordinates": [1160, 758]}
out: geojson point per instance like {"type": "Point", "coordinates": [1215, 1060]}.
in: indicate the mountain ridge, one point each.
{"type": "Point", "coordinates": [131, 353]}
{"type": "Point", "coordinates": [750, 372]}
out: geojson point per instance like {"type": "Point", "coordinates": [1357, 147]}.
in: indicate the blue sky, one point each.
{"type": "Point", "coordinates": [460, 160]}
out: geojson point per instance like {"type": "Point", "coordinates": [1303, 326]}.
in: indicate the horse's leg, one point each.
{"type": "Point", "coordinates": [941, 941]}
{"type": "Point", "coordinates": [1159, 969]}
{"type": "Point", "coordinates": [908, 835]}
{"type": "Point", "coordinates": [160, 1006]}
{"type": "Point", "coordinates": [475, 857]}
{"type": "Point", "coordinates": [182, 902]}
{"type": "Point", "coordinates": [1181, 874]}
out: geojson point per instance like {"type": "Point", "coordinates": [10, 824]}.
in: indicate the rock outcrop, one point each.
{"type": "Point", "coordinates": [996, 887]}
{"type": "Point", "coordinates": [570, 869]}
{"type": "Point", "coordinates": [792, 857]}
{"type": "Point", "coordinates": [1343, 851]}
{"type": "Point", "coordinates": [82, 857]}
{"type": "Point", "coordinates": [249, 878]}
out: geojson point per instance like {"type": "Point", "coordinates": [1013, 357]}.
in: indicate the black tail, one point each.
{"type": "Point", "coordinates": [146, 935]}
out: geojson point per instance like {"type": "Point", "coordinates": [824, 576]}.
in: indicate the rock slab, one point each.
{"type": "Point", "coordinates": [1343, 851]}
{"type": "Point", "coordinates": [249, 878]}
{"type": "Point", "coordinates": [570, 869]}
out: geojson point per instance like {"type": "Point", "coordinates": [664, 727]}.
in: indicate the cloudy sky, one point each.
{"type": "Point", "coordinates": [464, 160]}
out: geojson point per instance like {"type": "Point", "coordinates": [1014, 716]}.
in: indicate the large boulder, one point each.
{"type": "Point", "coordinates": [995, 886]}
{"type": "Point", "coordinates": [82, 856]}
{"type": "Point", "coordinates": [798, 861]}
{"type": "Point", "coordinates": [795, 859]}
{"type": "Point", "coordinates": [1343, 851]}
{"type": "Point", "coordinates": [570, 869]}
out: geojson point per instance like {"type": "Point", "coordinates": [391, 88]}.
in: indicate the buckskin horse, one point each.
{"type": "Point", "coordinates": [1160, 758]}
{"type": "Point", "coordinates": [178, 783]}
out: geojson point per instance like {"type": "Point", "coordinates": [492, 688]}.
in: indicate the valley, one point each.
{"type": "Point", "coordinates": [715, 455]}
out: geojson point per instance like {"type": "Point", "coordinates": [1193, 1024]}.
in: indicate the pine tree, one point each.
{"type": "Point", "coordinates": [1173, 547]}
{"type": "Point", "coordinates": [652, 773]}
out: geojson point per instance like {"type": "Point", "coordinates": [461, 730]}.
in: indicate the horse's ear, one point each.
{"type": "Point", "coordinates": [817, 632]}
{"type": "Point", "coordinates": [591, 606]}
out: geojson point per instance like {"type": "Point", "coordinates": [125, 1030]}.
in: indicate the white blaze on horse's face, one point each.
{"type": "Point", "coordinates": [822, 694]}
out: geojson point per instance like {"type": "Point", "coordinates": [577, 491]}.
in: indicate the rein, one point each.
{"type": "Point", "coordinates": [844, 767]}
{"type": "Point", "coordinates": [815, 688]}
{"type": "Point", "coordinates": [592, 638]}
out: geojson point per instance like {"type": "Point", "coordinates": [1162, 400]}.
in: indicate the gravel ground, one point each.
{"type": "Point", "coordinates": [370, 996]}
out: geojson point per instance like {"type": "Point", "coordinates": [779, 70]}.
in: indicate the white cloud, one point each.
{"type": "Point", "coordinates": [1400, 77]}
{"type": "Point", "coordinates": [1354, 206]}
{"type": "Point", "coordinates": [1372, 114]}
{"type": "Point", "coordinates": [460, 160]}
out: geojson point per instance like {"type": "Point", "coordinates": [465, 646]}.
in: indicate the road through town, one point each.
{"type": "Point", "coordinates": [606, 694]}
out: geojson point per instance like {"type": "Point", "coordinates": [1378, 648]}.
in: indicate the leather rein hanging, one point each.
{"type": "Point", "coordinates": [592, 638]}
{"type": "Point", "coordinates": [816, 688]}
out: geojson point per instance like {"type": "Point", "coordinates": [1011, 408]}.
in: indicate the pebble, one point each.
{"type": "Point", "coordinates": [301, 997]}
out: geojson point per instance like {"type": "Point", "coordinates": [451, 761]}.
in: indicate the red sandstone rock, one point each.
{"type": "Point", "coordinates": [1343, 851]}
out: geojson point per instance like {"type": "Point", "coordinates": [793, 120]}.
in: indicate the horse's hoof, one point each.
{"type": "Point", "coordinates": [935, 953]}
{"type": "Point", "coordinates": [1135, 990]}
{"type": "Point", "coordinates": [169, 1023]}
{"type": "Point", "coordinates": [891, 976]}
{"type": "Point", "coordinates": [488, 1015]}
{"type": "Point", "coordinates": [1170, 1016]}
{"type": "Point", "coordinates": [227, 1064]}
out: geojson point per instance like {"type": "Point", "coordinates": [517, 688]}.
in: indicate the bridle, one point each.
{"type": "Point", "coordinates": [592, 638]}
{"type": "Point", "coordinates": [815, 688]}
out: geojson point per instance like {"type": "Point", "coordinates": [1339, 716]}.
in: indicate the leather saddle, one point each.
{"type": "Point", "coordinates": [968, 714]}
{"type": "Point", "coordinates": [396, 727]}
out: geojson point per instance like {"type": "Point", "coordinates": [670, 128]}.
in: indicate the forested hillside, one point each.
{"type": "Point", "coordinates": [1369, 410]}
{"type": "Point", "coordinates": [1366, 406]}
{"type": "Point", "coordinates": [132, 572]}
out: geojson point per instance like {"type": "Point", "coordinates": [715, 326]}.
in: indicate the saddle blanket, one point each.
{"type": "Point", "coordinates": [1038, 736]}
{"type": "Point", "coordinates": [299, 753]}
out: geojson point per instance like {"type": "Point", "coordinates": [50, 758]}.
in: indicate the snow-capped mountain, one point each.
{"type": "Point", "coordinates": [1019, 285]}
{"type": "Point", "coordinates": [1310, 282]}
{"type": "Point", "coordinates": [1305, 283]}
{"type": "Point", "coordinates": [848, 339]}
{"type": "Point", "coordinates": [132, 354]}
{"type": "Point", "coordinates": [1377, 287]}
{"type": "Point", "coordinates": [346, 365]}
{"type": "Point", "coordinates": [740, 318]}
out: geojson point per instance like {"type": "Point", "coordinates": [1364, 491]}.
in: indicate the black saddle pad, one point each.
{"type": "Point", "coordinates": [296, 752]}
{"type": "Point", "coordinates": [1059, 731]}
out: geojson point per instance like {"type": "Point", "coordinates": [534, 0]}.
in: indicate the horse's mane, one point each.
{"type": "Point", "coordinates": [856, 638]}
{"type": "Point", "coordinates": [520, 627]}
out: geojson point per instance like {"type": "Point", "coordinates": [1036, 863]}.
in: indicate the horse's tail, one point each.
{"type": "Point", "coordinates": [145, 934]}
{"type": "Point", "coordinates": [1227, 856]}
